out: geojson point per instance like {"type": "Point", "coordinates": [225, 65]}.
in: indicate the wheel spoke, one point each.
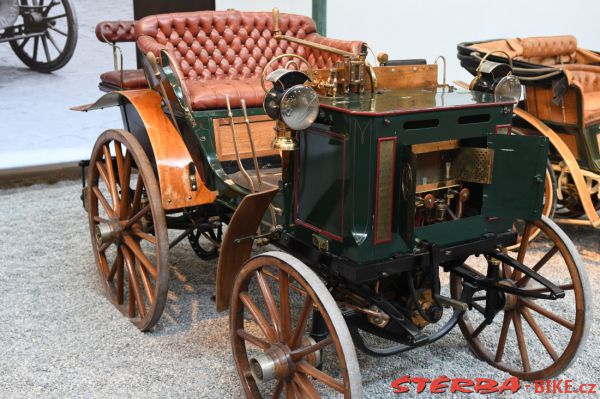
{"type": "Point", "coordinates": [54, 28]}
{"type": "Point", "coordinates": [503, 335]}
{"type": "Point", "coordinates": [117, 263]}
{"type": "Point", "coordinates": [23, 43]}
{"type": "Point", "coordinates": [306, 308]}
{"type": "Point", "coordinates": [258, 317]}
{"type": "Point", "coordinates": [522, 249]}
{"type": "Point", "coordinates": [307, 350]}
{"type": "Point", "coordinates": [131, 299]}
{"type": "Point", "coordinates": [317, 374]}
{"type": "Point", "coordinates": [46, 49]}
{"type": "Point", "coordinates": [104, 247]}
{"type": "Point", "coordinates": [134, 283]}
{"type": "Point", "coordinates": [59, 16]}
{"type": "Point", "coordinates": [136, 217]}
{"type": "Point", "coordinates": [147, 285]}
{"type": "Point", "coordinates": [137, 196]}
{"type": "Point", "coordinates": [125, 178]}
{"type": "Point", "coordinates": [479, 329]}
{"type": "Point", "coordinates": [98, 219]}
{"type": "Point", "coordinates": [254, 340]}
{"type": "Point", "coordinates": [134, 246]}
{"type": "Point", "coordinates": [538, 265]}
{"type": "Point", "coordinates": [544, 312]}
{"type": "Point", "coordinates": [103, 201]}
{"type": "Point", "coordinates": [284, 304]}
{"type": "Point", "coordinates": [290, 390]}
{"type": "Point", "coordinates": [521, 341]}
{"type": "Point", "coordinates": [540, 334]}
{"type": "Point", "coordinates": [110, 172]}
{"type": "Point", "coordinates": [144, 236]}
{"type": "Point", "coordinates": [307, 389]}
{"type": "Point", "coordinates": [36, 43]}
{"type": "Point", "coordinates": [269, 302]}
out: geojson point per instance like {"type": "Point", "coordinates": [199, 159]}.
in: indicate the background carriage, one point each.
{"type": "Point", "coordinates": [561, 102]}
{"type": "Point", "coordinates": [42, 33]}
{"type": "Point", "coordinates": [366, 190]}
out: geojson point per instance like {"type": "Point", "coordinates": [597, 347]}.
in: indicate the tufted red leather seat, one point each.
{"type": "Point", "coordinates": [117, 32]}
{"type": "Point", "coordinates": [219, 52]}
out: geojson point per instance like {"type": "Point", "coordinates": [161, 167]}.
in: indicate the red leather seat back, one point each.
{"type": "Point", "coordinates": [231, 44]}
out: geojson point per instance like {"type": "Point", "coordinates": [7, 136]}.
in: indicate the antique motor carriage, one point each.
{"type": "Point", "coordinates": [562, 103]}
{"type": "Point", "coordinates": [387, 201]}
{"type": "Point", "coordinates": [42, 33]}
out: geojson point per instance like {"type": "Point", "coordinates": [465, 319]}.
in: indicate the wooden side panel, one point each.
{"type": "Point", "coordinates": [171, 155]}
{"type": "Point", "coordinates": [244, 223]}
{"type": "Point", "coordinates": [405, 77]}
{"type": "Point", "coordinates": [262, 134]}
{"type": "Point", "coordinates": [539, 103]}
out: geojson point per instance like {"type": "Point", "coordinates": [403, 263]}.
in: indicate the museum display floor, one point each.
{"type": "Point", "coordinates": [60, 337]}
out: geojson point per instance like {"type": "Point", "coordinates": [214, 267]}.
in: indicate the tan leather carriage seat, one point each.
{"type": "Point", "coordinates": [581, 66]}
{"type": "Point", "coordinates": [219, 52]}
{"type": "Point", "coordinates": [113, 32]}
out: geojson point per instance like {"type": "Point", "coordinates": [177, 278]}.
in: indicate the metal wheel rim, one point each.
{"type": "Point", "coordinates": [159, 290]}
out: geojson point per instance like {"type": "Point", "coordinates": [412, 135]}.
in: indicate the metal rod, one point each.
{"type": "Point", "coordinates": [235, 146]}
{"type": "Point", "coordinates": [255, 160]}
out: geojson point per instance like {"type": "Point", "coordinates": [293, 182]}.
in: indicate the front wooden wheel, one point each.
{"type": "Point", "coordinates": [275, 354]}
{"type": "Point", "coordinates": [128, 227]}
{"type": "Point", "coordinates": [535, 338]}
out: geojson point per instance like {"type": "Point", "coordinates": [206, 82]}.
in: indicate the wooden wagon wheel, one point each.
{"type": "Point", "coordinates": [128, 227]}
{"type": "Point", "coordinates": [53, 26]}
{"type": "Point", "coordinates": [557, 328]}
{"type": "Point", "coordinates": [273, 353]}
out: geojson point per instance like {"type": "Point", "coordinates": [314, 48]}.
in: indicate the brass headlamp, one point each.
{"type": "Point", "coordinates": [292, 104]}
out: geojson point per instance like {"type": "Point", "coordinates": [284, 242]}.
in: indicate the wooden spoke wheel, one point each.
{"type": "Point", "coordinates": [275, 301]}
{"type": "Point", "coordinates": [128, 227]}
{"type": "Point", "coordinates": [52, 29]}
{"type": "Point", "coordinates": [532, 338]}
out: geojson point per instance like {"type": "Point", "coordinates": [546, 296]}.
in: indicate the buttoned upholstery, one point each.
{"type": "Point", "coordinates": [113, 32]}
{"type": "Point", "coordinates": [218, 52]}
{"type": "Point", "coordinates": [116, 31]}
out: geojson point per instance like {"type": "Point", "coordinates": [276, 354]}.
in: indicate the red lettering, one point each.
{"type": "Point", "coordinates": [485, 385]}
{"type": "Point", "coordinates": [592, 388]}
{"type": "Point", "coordinates": [538, 386]}
{"type": "Point", "coordinates": [421, 383]}
{"type": "Point", "coordinates": [511, 384]}
{"type": "Point", "coordinates": [569, 386]}
{"type": "Point", "coordinates": [439, 385]}
{"type": "Point", "coordinates": [556, 386]}
{"type": "Point", "coordinates": [398, 384]}
{"type": "Point", "coordinates": [461, 385]}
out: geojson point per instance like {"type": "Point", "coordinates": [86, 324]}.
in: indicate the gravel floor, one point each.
{"type": "Point", "coordinates": [60, 337]}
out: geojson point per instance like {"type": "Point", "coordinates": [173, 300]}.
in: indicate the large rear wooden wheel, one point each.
{"type": "Point", "coordinates": [128, 227]}
{"type": "Point", "coordinates": [275, 301]}
{"type": "Point", "coordinates": [532, 338]}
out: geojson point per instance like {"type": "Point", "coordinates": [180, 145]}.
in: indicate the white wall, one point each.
{"type": "Point", "coordinates": [428, 28]}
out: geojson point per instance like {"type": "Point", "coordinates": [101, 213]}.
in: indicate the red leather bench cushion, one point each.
{"type": "Point", "coordinates": [132, 79]}
{"type": "Point", "coordinates": [210, 94]}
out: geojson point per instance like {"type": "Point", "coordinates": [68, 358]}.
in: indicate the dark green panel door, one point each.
{"type": "Point", "coordinates": [517, 186]}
